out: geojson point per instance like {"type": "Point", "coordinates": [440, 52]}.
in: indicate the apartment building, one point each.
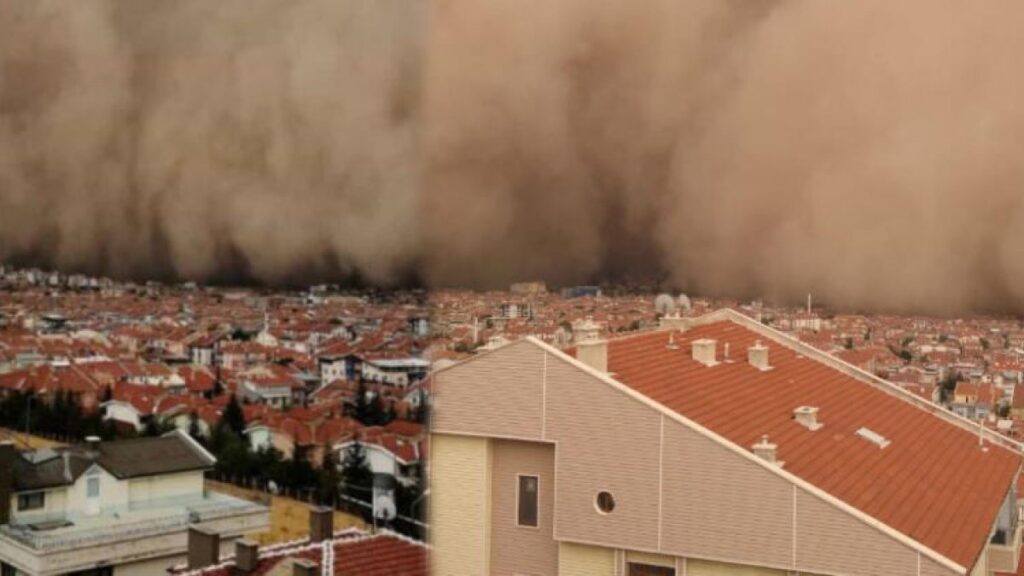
{"type": "Point", "coordinates": [713, 446]}
{"type": "Point", "coordinates": [111, 508]}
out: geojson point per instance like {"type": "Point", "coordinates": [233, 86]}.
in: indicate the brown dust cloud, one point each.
{"type": "Point", "coordinates": [870, 152]}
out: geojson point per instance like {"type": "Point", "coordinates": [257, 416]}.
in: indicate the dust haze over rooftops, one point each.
{"type": "Point", "coordinates": [867, 152]}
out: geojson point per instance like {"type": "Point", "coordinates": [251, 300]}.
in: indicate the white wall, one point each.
{"type": "Point", "coordinates": [381, 461]}
{"type": "Point", "coordinates": [142, 490]}
{"type": "Point", "coordinates": [122, 413]}
{"type": "Point", "coordinates": [113, 492]}
{"type": "Point", "coordinates": [54, 504]}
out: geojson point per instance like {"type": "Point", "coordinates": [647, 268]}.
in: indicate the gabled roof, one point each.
{"type": "Point", "coordinates": [124, 459]}
{"type": "Point", "coordinates": [934, 482]}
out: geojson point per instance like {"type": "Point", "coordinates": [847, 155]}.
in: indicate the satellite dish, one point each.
{"type": "Point", "coordinates": [684, 303]}
{"type": "Point", "coordinates": [664, 304]}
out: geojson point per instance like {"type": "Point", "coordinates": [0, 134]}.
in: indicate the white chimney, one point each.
{"type": "Point", "coordinates": [757, 355]}
{"type": "Point", "coordinates": [765, 450]}
{"type": "Point", "coordinates": [807, 416]}
{"type": "Point", "coordinates": [593, 353]}
{"type": "Point", "coordinates": [704, 351]}
{"type": "Point", "coordinates": [586, 330]}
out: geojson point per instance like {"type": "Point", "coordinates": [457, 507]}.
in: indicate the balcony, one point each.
{"type": "Point", "coordinates": [1004, 549]}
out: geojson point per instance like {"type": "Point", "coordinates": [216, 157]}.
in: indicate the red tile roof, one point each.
{"type": "Point", "coordinates": [933, 482]}
{"type": "Point", "coordinates": [355, 554]}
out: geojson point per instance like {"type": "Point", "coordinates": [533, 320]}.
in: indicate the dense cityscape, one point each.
{"type": "Point", "coordinates": [511, 288]}
{"type": "Point", "coordinates": [316, 395]}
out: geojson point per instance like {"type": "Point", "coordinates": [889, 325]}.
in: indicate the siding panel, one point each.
{"type": "Point", "coordinates": [460, 490]}
{"type": "Point", "coordinates": [831, 542]}
{"type": "Point", "coordinates": [930, 567]}
{"type": "Point", "coordinates": [719, 505]}
{"type": "Point", "coordinates": [516, 549]}
{"type": "Point", "coordinates": [606, 441]}
{"type": "Point", "coordinates": [579, 560]}
{"type": "Point", "coordinates": [499, 394]}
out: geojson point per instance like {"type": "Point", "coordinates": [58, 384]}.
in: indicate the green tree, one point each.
{"type": "Point", "coordinates": [363, 406]}
{"type": "Point", "coordinates": [328, 479]}
{"type": "Point", "coordinates": [153, 427]}
{"type": "Point", "coordinates": [233, 418]}
{"type": "Point", "coordinates": [356, 476]}
{"type": "Point", "coordinates": [948, 385]}
{"type": "Point", "coordinates": [193, 427]}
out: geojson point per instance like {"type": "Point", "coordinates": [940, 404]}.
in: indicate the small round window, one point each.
{"type": "Point", "coordinates": [605, 502]}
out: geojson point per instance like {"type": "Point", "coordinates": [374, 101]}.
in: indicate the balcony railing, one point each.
{"type": "Point", "coordinates": [157, 518]}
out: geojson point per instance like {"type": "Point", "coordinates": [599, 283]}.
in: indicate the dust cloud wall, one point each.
{"type": "Point", "coordinates": [259, 140]}
{"type": "Point", "coordinates": [871, 152]}
{"type": "Point", "coordinates": [868, 152]}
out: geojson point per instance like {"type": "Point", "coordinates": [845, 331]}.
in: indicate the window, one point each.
{"type": "Point", "coordinates": [527, 501]}
{"type": "Point", "coordinates": [93, 488]}
{"type": "Point", "coordinates": [7, 570]}
{"type": "Point", "coordinates": [605, 502]}
{"type": "Point", "coordinates": [31, 501]}
{"type": "Point", "coordinates": [649, 570]}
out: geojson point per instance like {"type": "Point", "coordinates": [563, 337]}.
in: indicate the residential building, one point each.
{"type": "Point", "coordinates": [720, 446]}
{"type": "Point", "coordinates": [111, 508]}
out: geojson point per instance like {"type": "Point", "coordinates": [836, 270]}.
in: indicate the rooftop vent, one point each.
{"type": "Point", "coordinates": [757, 355]}
{"type": "Point", "coordinates": [203, 548]}
{"type": "Point", "coordinates": [247, 556]}
{"type": "Point", "coordinates": [593, 353]}
{"type": "Point", "coordinates": [766, 450]}
{"type": "Point", "coordinates": [672, 341]}
{"type": "Point", "coordinates": [873, 437]}
{"type": "Point", "coordinates": [807, 416]}
{"type": "Point", "coordinates": [704, 351]}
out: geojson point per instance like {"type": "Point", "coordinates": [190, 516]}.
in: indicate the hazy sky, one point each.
{"type": "Point", "coordinates": [869, 152]}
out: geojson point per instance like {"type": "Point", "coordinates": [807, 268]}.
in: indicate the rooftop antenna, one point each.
{"type": "Point", "coordinates": [664, 305]}
{"type": "Point", "coordinates": [684, 303]}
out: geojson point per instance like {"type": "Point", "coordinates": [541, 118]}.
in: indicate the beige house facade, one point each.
{"type": "Point", "coordinates": [544, 465]}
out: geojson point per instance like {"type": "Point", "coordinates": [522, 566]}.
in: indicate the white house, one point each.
{"type": "Point", "coordinates": [396, 371]}
{"type": "Point", "coordinates": [117, 508]}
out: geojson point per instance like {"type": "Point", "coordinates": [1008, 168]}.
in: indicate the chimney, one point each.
{"type": "Point", "coordinates": [674, 322]}
{"type": "Point", "coordinates": [757, 355]}
{"type": "Point", "coordinates": [585, 330]}
{"type": "Point", "coordinates": [203, 548]}
{"type": "Point", "coordinates": [247, 556]}
{"type": "Point", "coordinates": [807, 416]}
{"type": "Point", "coordinates": [305, 568]}
{"type": "Point", "coordinates": [321, 524]}
{"type": "Point", "coordinates": [765, 450]}
{"type": "Point", "coordinates": [593, 353]}
{"type": "Point", "coordinates": [93, 442]}
{"type": "Point", "coordinates": [8, 455]}
{"type": "Point", "coordinates": [704, 351]}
